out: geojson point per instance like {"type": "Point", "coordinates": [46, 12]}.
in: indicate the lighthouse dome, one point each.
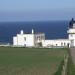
{"type": "Point", "coordinates": [72, 23]}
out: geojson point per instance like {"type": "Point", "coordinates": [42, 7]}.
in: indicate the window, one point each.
{"type": "Point", "coordinates": [68, 44]}
{"type": "Point", "coordinates": [64, 44]}
{"type": "Point", "coordinates": [38, 38]}
{"type": "Point", "coordinates": [25, 38]}
{"type": "Point", "coordinates": [42, 37]}
{"type": "Point", "coordinates": [71, 35]}
{"type": "Point", "coordinates": [61, 44]}
{"type": "Point", "coordinates": [56, 44]}
{"type": "Point", "coordinates": [25, 45]}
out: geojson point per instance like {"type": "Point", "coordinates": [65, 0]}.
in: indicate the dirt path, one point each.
{"type": "Point", "coordinates": [72, 51]}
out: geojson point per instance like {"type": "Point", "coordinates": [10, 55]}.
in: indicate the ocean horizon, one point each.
{"type": "Point", "coordinates": [52, 29]}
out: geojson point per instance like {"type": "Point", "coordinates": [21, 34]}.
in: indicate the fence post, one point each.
{"type": "Point", "coordinates": [64, 68]}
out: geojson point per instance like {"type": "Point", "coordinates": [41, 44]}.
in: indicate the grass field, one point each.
{"type": "Point", "coordinates": [30, 61]}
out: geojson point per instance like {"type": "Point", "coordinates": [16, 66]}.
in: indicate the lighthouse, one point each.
{"type": "Point", "coordinates": [71, 32]}
{"type": "Point", "coordinates": [38, 39]}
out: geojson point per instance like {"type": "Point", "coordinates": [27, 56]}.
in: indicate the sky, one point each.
{"type": "Point", "coordinates": [36, 10]}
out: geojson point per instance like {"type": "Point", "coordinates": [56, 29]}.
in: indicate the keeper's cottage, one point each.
{"type": "Point", "coordinates": [28, 40]}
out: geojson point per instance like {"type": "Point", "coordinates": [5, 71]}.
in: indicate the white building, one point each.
{"type": "Point", "coordinates": [28, 40]}
{"type": "Point", "coordinates": [34, 40]}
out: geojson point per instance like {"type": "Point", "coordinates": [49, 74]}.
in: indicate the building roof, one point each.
{"type": "Point", "coordinates": [22, 32]}
{"type": "Point", "coordinates": [71, 23]}
{"type": "Point", "coordinates": [31, 34]}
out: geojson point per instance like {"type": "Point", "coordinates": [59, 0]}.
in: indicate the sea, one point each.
{"type": "Point", "coordinates": [52, 29]}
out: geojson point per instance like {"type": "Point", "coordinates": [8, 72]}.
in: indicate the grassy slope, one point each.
{"type": "Point", "coordinates": [30, 61]}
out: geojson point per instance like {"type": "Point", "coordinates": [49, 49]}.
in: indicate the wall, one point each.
{"type": "Point", "coordinates": [38, 38]}
{"type": "Point", "coordinates": [15, 40]}
{"type": "Point", "coordinates": [72, 39]}
{"type": "Point", "coordinates": [25, 40]}
{"type": "Point", "coordinates": [29, 40]}
{"type": "Point", "coordinates": [57, 42]}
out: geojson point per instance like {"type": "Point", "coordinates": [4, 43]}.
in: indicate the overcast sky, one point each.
{"type": "Point", "coordinates": [36, 10]}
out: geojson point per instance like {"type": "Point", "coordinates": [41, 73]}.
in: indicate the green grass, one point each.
{"type": "Point", "coordinates": [70, 66]}
{"type": "Point", "coordinates": [59, 71]}
{"type": "Point", "coordinates": [30, 61]}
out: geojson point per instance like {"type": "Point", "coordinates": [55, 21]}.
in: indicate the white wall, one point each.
{"type": "Point", "coordinates": [24, 40]}
{"type": "Point", "coordinates": [60, 42]}
{"type": "Point", "coordinates": [39, 37]}
{"type": "Point", "coordinates": [72, 38]}
{"type": "Point", "coordinates": [29, 40]}
{"type": "Point", "coordinates": [14, 40]}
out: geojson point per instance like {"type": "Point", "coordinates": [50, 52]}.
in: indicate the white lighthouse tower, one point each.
{"type": "Point", "coordinates": [71, 32]}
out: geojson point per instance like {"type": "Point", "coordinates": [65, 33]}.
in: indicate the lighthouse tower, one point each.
{"type": "Point", "coordinates": [71, 33]}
